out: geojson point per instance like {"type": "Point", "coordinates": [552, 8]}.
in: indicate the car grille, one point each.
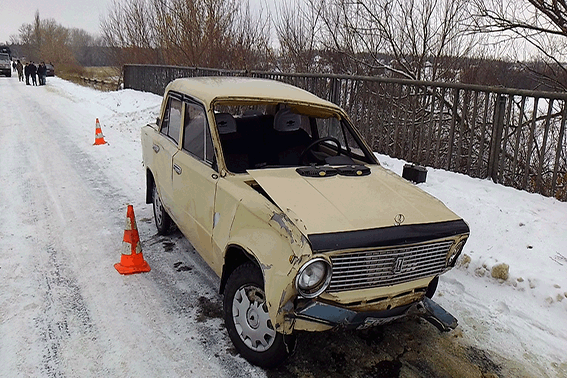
{"type": "Point", "coordinates": [387, 266]}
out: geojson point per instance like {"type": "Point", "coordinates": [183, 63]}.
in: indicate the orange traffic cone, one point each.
{"type": "Point", "coordinates": [99, 138]}
{"type": "Point", "coordinates": [132, 260]}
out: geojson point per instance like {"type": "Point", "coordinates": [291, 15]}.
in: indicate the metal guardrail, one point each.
{"type": "Point", "coordinates": [99, 84]}
{"type": "Point", "coordinates": [515, 137]}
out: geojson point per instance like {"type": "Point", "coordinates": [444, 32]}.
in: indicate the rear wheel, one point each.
{"type": "Point", "coordinates": [248, 322]}
{"type": "Point", "coordinates": [162, 219]}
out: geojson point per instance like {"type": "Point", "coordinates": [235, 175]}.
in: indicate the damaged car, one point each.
{"type": "Point", "coordinates": [281, 196]}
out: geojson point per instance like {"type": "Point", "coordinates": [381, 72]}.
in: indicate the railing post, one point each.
{"type": "Point", "coordinates": [496, 138]}
{"type": "Point", "coordinates": [126, 77]}
{"type": "Point", "coordinates": [558, 152]}
{"type": "Point", "coordinates": [335, 91]}
{"type": "Point", "coordinates": [451, 140]}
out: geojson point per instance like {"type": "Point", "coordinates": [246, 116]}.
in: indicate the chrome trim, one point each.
{"type": "Point", "coordinates": [325, 283]}
{"type": "Point", "coordinates": [367, 269]}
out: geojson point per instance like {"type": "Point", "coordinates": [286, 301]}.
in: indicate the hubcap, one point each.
{"type": "Point", "coordinates": [251, 318]}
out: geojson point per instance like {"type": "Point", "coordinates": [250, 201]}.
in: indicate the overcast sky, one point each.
{"type": "Point", "coordinates": [82, 14]}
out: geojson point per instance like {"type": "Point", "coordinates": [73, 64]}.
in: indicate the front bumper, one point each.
{"type": "Point", "coordinates": [333, 316]}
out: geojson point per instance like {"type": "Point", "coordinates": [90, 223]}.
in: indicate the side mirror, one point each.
{"type": "Point", "coordinates": [158, 121]}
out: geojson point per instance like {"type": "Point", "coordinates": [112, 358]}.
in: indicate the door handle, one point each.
{"type": "Point", "coordinates": [177, 169]}
{"type": "Point", "coordinates": [156, 148]}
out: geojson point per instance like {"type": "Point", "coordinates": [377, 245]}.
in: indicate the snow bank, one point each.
{"type": "Point", "coordinates": [524, 316]}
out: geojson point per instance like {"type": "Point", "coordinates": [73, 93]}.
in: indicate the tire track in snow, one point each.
{"type": "Point", "coordinates": [62, 315]}
{"type": "Point", "coordinates": [187, 279]}
{"type": "Point", "coordinates": [66, 323]}
{"type": "Point", "coordinates": [182, 304]}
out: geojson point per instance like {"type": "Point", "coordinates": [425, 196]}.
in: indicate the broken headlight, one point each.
{"type": "Point", "coordinates": [456, 252]}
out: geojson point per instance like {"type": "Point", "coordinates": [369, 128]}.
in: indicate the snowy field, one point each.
{"type": "Point", "coordinates": [58, 286]}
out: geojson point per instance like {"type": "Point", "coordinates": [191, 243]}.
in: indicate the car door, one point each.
{"type": "Point", "coordinates": [165, 146]}
{"type": "Point", "coordinates": [195, 180]}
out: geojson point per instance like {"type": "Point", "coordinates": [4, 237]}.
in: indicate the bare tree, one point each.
{"type": "Point", "coordinates": [30, 36]}
{"type": "Point", "coordinates": [536, 28]}
{"type": "Point", "coordinates": [55, 46]}
{"type": "Point", "coordinates": [298, 26]}
{"type": "Point", "coordinates": [195, 33]}
{"type": "Point", "coordinates": [128, 29]}
{"type": "Point", "coordinates": [209, 33]}
{"type": "Point", "coordinates": [251, 46]}
{"type": "Point", "coordinates": [37, 34]}
{"type": "Point", "coordinates": [45, 40]}
{"type": "Point", "coordinates": [408, 38]}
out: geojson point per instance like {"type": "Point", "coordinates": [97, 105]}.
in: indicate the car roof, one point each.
{"type": "Point", "coordinates": [212, 88]}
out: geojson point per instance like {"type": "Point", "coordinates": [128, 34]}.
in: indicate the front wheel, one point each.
{"type": "Point", "coordinates": [248, 322]}
{"type": "Point", "coordinates": [162, 219]}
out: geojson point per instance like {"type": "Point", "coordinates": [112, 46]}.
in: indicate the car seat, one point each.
{"type": "Point", "coordinates": [233, 145]}
{"type": "Point", "coordinates": [289, 138]}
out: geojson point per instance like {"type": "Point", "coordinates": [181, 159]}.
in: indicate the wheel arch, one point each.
{"type": "Point", "coordinates": [149, 185]}
{"type": "Point", "coordinates": [234, 257]}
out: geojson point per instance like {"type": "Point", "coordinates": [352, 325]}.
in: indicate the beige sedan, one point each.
{"type": "Point", "coordinates": [280, 195]}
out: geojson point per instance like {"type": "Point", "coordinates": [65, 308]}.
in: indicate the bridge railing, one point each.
{"type": "Point", "coordinates": [515, 137]}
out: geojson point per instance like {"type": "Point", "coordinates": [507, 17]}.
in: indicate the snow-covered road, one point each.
{"type": "Point", "coordinates": [64, 309]}
{"type": "Point", "coordinates": [66, 312]}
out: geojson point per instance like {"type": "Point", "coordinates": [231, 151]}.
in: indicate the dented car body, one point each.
{"type": "Point", "coordinates": [280, 195]}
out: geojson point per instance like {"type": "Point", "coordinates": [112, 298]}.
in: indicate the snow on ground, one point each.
{"type": "Point", "coordinates": [64, 310]}
{"type": "Point", "coordinates": [523, 317]}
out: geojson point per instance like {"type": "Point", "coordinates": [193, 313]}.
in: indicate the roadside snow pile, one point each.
{"type": "Point", "coordinates": [126, 109]}
{"type": "Point", "coordinates": [509, 290]}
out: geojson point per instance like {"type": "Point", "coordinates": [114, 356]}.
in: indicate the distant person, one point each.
{"type": "Point", "coordinates": [14, 66]}
{"type": "Point", "coordinates": [33, 73]}
{"type": "Point", "coordinates": [20, 69]}
{"type": "Point", "coordinates": [41, 73]}
{"type": "Point", "coordinates": [27, 73]}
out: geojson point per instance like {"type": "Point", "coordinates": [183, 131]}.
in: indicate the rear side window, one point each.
{"type": "Point", "coordinates": [171, 125]}
{"type": "Point", "coordinates": [196, 135]}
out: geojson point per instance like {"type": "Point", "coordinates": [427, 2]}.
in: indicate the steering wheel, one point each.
{"type": "Point", "coordinates": [316, 143]}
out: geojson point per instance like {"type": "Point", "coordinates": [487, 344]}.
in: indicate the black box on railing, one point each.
{"type": "Point", "coordinates": [414, 173]}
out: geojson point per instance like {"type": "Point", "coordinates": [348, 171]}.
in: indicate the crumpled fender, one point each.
{"type": "Point", "coordinates": [280, 249]}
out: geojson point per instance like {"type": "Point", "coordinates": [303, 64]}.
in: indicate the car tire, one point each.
{"type": "Point", "coordinates": [162, 219]}
{"type": "Point", "coordinates": [247, 320]}
{"type": "Point", "coordinates": [432, 287]}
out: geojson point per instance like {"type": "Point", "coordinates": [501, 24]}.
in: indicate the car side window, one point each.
{"type": "Point", "coordinates": [171, 124]}
{"type": "Point", "coordinates": [196, 134]}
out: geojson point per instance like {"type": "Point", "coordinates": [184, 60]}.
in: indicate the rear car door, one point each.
{"type": "Point", "coordinates": [195, 180]}
{"type": "Point", "coordinates": [165, 146]}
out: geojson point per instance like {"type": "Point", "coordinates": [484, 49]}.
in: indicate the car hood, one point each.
{"type": "Point", "coordinates": [346, 203]}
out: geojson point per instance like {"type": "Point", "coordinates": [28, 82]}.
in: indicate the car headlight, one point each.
{"type": "Point", "coordinates": [313, 277]}
{"type": "Point", "coordinates": [452, 260]}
